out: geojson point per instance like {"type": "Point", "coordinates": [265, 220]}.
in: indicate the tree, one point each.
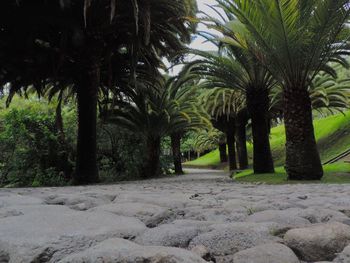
{"type": "Point", "coordinates": [327, 94]}
{"type": "Point", "coordinates": [182, 88]}
{"type": "Point", "coordinates": [153, 111]}
{"type": "Point", "coordinates": [225, 105]}
{"type": "Point", "coordinates": [209, 140]}
{"type": "Point", "coordinates": [237, 69]}
{"type": "Point", "coordinates": [294, 40]}
{"type": "Point", "coordinates": [84, 40]}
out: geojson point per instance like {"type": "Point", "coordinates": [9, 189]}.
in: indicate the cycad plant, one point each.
{"type": "Point", "coordinates": [157, 110]}
{"type": "Point", "coordinates": [294, 39]}
{"type": "Point", "coordinates": [330, 94]}
{"type": "Point", "coordinates": [183, 88]}
{"type": "Point", "coordinates": [225, 105]}
{"type": "Point", "coordinates": [327, 94]}
{"type": "Point", "coordinates": [235, 68]}
{"type": "Point", "coordinates": [211, 139]}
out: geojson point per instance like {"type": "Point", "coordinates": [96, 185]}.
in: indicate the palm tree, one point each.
{"type": "Point", "coordinates": [209, 140]}
{"type": "Point", "coordinates": [294, 40]}
{"type": "Point", "coordinates": [83, 41]}
{"type": "Point", "coordinates": [182, 88]}
{"type": "Point", "coordinates": [156, 111]}
{"type": "Point", "coordinates": [327, 94]}
{"type": "Point", "coordinates": [224, 105]}
{"type": "Point", "coordinates": [237, 69]}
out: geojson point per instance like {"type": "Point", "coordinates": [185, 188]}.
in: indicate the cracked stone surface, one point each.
{"type": "Point", "coordinates": [202, 216]}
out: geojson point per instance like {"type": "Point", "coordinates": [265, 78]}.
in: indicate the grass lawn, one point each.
{"type": "Point", "coordinates": [334, 173]}
{"type": "Point", "coordinates": [332, 134]}
{"type": "Point", "coordinates": [210, 159]}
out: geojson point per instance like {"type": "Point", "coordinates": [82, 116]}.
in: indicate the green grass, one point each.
{"type": "Point", "coordinates": [332, 134]}
{"type": "Point", "coordinates": [333, 174]}
{"type": "Point", "coordinates": [210, 159]}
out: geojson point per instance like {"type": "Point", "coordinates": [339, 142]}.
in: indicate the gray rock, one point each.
{"type": "Point", "coordinates": [212, 214]}
{"type": "Point", "coordinates": [344, 256]}
{"type": "Point", "coordinates": [318, 242]}
{"type": "Point", "coordinates": [322, 215]}
{"type": "Point", "coordinates": [227, 239]}
{"type": "Point", "coordinates": [272, 204]}
{"type": "Point", "coordinates": [18, 200]}
{"type": "Point", "coordinates": [269, 253]}
{"type": "Point", "coordinates": [47, 226]}
{"type": "Point", "coordinates": [144, 212]}
{"type": "Point", "coordinates": [203, 252]}
{"type": "Point", "coordinates": [164, 217]}
{"type": "Point", "coordinates": [170, 235]}
{"type": "Point", "coordinates": [202, 225]}
{"type": "Point", "coordinates": [224, 259]}
{"type": "Point", "coordinates": [278, 216]}
{"type": "Point", "coordinates": [9, 212]}
{"type": "Point", "coordinates": [79, 201]}
{"type": "Point", "coordinates": [120, 250]}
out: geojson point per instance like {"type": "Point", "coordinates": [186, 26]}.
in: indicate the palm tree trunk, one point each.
{"type": "Point", "coordinates": [223, 153]}
{"type": "Point", "coordinates": [151, 166]}
{"type": "Point", "coordinates": [258, 103]}
{"type": "Point", "coordinates": [86, 164]}
{"type": "Point", "coordinates": [302, 158]}
{"type": "Point", "coordinates": [230, 137]}
{"type": "Point", "coordinates": [241, 140]}
{"type": "Point", "coordinates": [176, 148]}
{"type": "Point", "coordinates": [241, 145]}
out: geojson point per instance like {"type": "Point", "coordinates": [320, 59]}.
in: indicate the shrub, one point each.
{"type": "Point", "coordinates": [31, 154]}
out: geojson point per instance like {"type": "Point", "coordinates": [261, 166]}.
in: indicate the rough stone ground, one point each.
{"type": "Point", "coordinates": [196, 218]}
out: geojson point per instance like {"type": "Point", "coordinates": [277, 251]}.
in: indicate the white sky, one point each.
{"type": "Point", "coordinates": [198, 41]}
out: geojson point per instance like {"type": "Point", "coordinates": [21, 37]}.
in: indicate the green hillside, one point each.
{"type": "Point", "coordinates": [332, 134]}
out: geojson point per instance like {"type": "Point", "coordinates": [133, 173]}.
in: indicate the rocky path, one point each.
{"type": "Point", "coordinates": [197, 218]}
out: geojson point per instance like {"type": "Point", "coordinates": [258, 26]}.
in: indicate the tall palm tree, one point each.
{"type": "Point", "coordinates": [294, 39]}
{"type": "Point", "coordinates": [237, 69]}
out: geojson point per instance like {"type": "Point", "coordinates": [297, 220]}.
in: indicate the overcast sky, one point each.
{"type": "Point", "coordinates": [199, 42]}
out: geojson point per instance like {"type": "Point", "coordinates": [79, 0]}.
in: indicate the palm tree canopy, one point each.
{"type": "Point", "coordinates": [168, 106]}
{"type": "Point", "coordinates": [295, 39]}
{"type": "Point", "coordinates": [47, 42]}
{"type": "Point", "coordinates": [208, 140]}
{"type": "Point", "coordinates": [223, 102]}
{"type": "Point", "coordinates": [234, 67]}
{"type": "Point", "coordinates": [326, 93]}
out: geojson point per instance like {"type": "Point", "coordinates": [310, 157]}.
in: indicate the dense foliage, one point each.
{"type": "Point", "coordinates": [31, 152]}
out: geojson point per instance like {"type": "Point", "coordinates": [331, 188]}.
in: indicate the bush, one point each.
{"type": "Point", "coordinates": [31, 153]}
{"type": "Point", "coordinates": [119, 153]}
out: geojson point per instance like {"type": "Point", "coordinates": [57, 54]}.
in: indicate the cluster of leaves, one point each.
{"type": "Point", "coordinates": [119, 153]}
{"type": "Point", "coordinates": [31, 153]}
